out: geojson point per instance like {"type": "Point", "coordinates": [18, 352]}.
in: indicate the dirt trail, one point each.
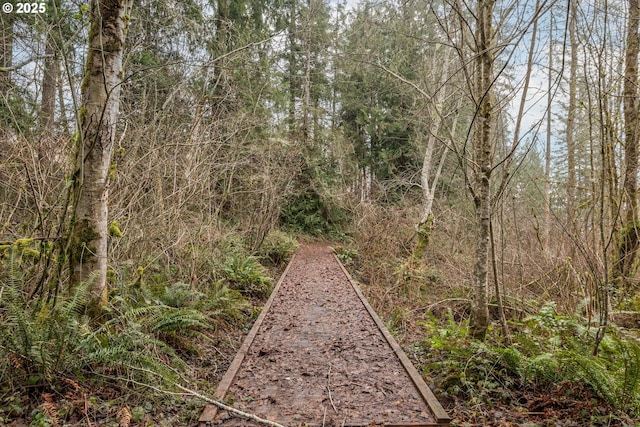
{"type": "Point", "coordinates": [319, 358]}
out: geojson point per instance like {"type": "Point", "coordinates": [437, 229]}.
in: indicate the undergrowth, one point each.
{"type": "Point", "coordinates": [546, 375]}
{"type": "Point", "coordinates": [278, 247]}
{"type": "Point", "coordinates": [50, 348]}
{"type": "Point", "coordinates": [247, 275]}
{"type": "Point", "coordinates": [550, 354]}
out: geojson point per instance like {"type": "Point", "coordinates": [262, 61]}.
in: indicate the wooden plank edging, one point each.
{"type": "Point", "coordinates": [441, 416]}
{"type": "Point", "coordinates": [210, 411]}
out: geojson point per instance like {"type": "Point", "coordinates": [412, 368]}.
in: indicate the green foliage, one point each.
{"type": "Point", "coordinates": [232, 244]}
{"type": "Point", "coordinates": [247, 275]}
{"type": "Point", "coordinates": [305, 214]}
{"type": "Point", "coordinates": [224, 302]}
{"type": "Point", "coordinates": [278, 247]}
{"type": "Point", "coordinates": [345, 254]}
{"type": "Point", "coordinates": [21, 261]}
{"type": "Point", "coordinates": [543, 369]}
{"type": "Point", "coordinates": [40, 418]}
{"type": "Point", "coordinates": [547, 349]}
{"type": "Point", "coordinates": [43, 342]}
{"type": "Point", "coordinates": [135, 339]}
{"type": "Point", "coordinates": [473, 369]}
{"type": "Point", "coordinates": [631, 303]}
{"type": "Point", "coordinates": [629, 351]}
{"type": "Point", "coordinates": [39, 339]}
{"type": "Point", "coordinates": [309, 213]}
{"type": "Point", "coordinates": [181, 295]}
{"type": "Point", "coordinates": [15, 109]}
{"type": "Point", "coordinates": [126, 346]}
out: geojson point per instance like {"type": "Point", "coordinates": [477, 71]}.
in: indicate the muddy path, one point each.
{"type": "Point", "coordinates": [318, 357]}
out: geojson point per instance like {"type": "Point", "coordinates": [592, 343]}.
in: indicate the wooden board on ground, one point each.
{"type": "Point", "coordinates": [319, 355]}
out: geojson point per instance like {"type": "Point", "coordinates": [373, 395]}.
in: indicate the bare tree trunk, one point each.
{"type": "Point", "coordinates": [547, 154]}
{"type": "Point", "coordinates": [630, 233]}
{"type": "Point", "coordinates": [292, 69]}
{"type": "Point", "coordinates": [49, 84]}
{"type": "Point", "coordinates": [6, 49]}
{"type": "Point", "coordinates": [98, 118]}
{"type": "Point", "coordinates": [62, 117]}
{"type": "Point", "coordinates": [306, 85]}
{"type": "Point", "coordinates": [427, 181]}
{"type": "Point", "coordinates": [483, 162]}
{"type": "Point", "coordinates": [609, 186]}
{"type": "Point", "coordinates": [6, 56]}
{"type": "Point", "coordinates": [571, 115]}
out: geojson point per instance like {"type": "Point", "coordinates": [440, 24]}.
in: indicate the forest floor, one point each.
{"type": "Point", "coordinates": [319, 358]}
{"type": "Point", "coordinates": [335, 365]}
{"type": "Point", "coordinates": [344, 369]}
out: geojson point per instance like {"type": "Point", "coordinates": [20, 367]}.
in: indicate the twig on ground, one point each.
{"type": "Point", "coordinates": [331, 400]}
{"type": "Point", "coordinates": [329, 389]}
{"type": "Point", "coordinates": [229, 408]}
{"type": "Point", "coordinates": [86, 409]}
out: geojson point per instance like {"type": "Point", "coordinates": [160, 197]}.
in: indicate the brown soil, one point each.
{"type": "Point", "coordinates": [319, 358]}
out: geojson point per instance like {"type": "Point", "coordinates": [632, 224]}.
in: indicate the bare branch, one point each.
{"type": "Point", "coordinates": [229, 408]}
{"type": "Point", "coordinates": [23, 63]}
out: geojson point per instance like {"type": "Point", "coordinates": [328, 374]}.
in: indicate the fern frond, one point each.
{"type": "Point", "coordinates": [81, 296]}
{"type": "Point", "coordinates": [594, 372]}
{"type": "Point", "coordinates": [133, 351]}
{"type": "Point", "coordinates": [628, 350]}
{"type": "Point", "coordinates": [177, 319]}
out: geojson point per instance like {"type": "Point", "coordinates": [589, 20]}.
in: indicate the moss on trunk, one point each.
{"type": "Point", "coordinates": [424, 236]}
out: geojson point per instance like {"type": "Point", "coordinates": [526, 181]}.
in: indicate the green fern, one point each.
{"type": "Point", "coordinates": [132, 352]}
{"type": "Point", "coordinates": [547, 349]}
{"type": "Point", "coordinates": [247, 275]}
{"type": "Point", "coordinates": [278, 247]}
{"type": "Point", "coordinates": [136, 338]}
{"type": "Point", "coordinates": [43, 342]}
{"type": "Point", "coordinates": [593, 371]}
{"type": "Point", "coordinates": [181, 295]}
{"type": "Point", "coordinates": [628, 351]}
{"type": "Point", "coordinates": [42, 337]}
{"type": "Point", "coordinates": [224, 301]}
{"type": "Point", "coordinates": [170, 319]}
{"type": "Point", "coordinates": [542, 369]}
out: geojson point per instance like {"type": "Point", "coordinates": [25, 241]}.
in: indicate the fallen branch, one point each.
{"type": "Point", "coordinates": [229, 408]}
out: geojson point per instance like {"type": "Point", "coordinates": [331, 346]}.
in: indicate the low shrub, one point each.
{"type": "Point", "coordinates": [278, 247]}
{"type": "Point", "coordinates": [547, 350]}
{"type": "Point", "coordinates": [52, 345]}
{"type": "Point", "coordinates": [247, 275]}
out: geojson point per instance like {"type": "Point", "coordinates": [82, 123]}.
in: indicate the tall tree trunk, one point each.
{"type": "Point", "coordinates": [98, 118]}
{"type": "Point", "coordinates": [571, 115]}
{"type": "Point", "coordinates": [306, 84]}
{"type": "Point", "coordinates": [49, 84]}
{"type": "Point", "coordinates": [6, 49]}
{"type": "Point", "coordinates": [610, 203]}
{"type": "Point", "coordinates": [6, 55]}
{"type": "Point", "coordinates": [222, 46]}
{"type": "Point", "coordinates": [429, 178]}
{"type": "Point", "coordinates": [546, 222]}
{"type": "Point", "coordinates": [483, 162]}
{"type": "Point", "coordinates": [292, 68]}
{"type": "Point", "coordinates": [630, 233]}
